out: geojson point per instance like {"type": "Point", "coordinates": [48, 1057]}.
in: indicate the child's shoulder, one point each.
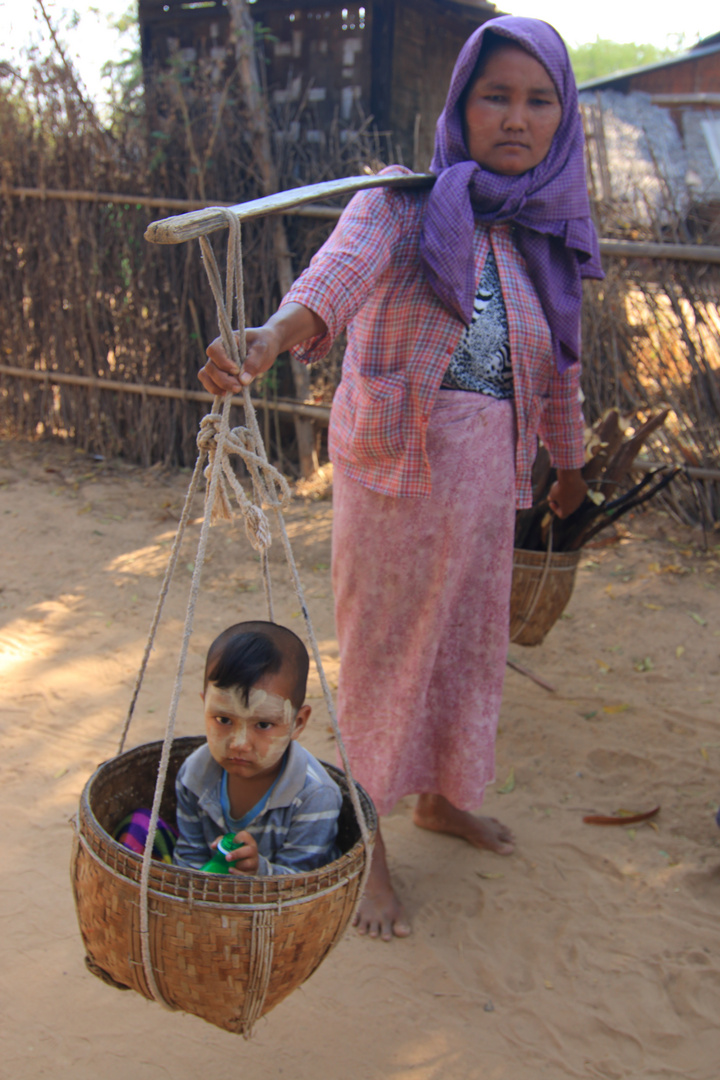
{"type": "Point", "coordinates": [199, 769]}
{"type": "Point", "coordinates": [304, 770]}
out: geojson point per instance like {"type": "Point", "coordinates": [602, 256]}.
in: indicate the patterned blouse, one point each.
{"type": "Point", "coordinates": [481, 361]}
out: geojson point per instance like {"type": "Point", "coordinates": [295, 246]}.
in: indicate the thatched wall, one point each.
{"type": "Point", "coordinates": [82, 292]}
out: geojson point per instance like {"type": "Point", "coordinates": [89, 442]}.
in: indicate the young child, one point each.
{"type": "Point", "coordinates": [252, 778]}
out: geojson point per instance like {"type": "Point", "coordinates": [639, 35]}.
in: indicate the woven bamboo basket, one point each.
{"type": "Point", "coordinates": [540, 592]}
{"type": "Point", "coordinates": [225, 948]}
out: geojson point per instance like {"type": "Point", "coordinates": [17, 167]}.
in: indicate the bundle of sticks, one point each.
{"type": "Point", "coordinates": [609, 459]}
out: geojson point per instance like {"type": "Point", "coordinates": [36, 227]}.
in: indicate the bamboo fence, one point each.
{"type": "Point", "coordinates": [86, 302]}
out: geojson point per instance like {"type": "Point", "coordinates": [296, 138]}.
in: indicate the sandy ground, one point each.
{"type": "Point", "coordinates": [592, 952]}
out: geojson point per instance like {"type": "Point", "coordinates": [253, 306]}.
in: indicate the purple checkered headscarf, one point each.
{"type": "Point", "coordinates": [548, 205]}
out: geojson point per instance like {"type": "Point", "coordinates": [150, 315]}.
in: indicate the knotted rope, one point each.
{"type": "Point", "coordinates": [216, 443]}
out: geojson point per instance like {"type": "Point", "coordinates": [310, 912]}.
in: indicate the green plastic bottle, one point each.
{"type": "Point", "coordinates": [219, 864]}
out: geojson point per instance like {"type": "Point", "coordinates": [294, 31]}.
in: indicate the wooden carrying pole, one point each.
{"type": "Point", "coordinates": [197, 223]}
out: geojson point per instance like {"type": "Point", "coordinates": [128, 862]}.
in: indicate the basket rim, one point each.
{"type": "Point", "coordinates": [269, 905]}
{"type": "Point", "coordinates": [184, 884]}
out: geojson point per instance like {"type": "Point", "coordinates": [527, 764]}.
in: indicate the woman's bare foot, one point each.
{"type": "Point", "coordinates": [436, 813]}
{"type": "Point", "coordinates": [380, 913]}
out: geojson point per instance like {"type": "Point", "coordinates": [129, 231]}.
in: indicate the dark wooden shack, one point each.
{"type": "Point", "coordinates": [389, 59]}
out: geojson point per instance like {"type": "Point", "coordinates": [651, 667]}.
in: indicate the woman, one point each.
{"type": "Point", "coordinates": [462, 306]}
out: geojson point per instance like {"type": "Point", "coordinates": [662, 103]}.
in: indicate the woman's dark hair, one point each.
{"type": "Point", "coordinates": [491, 43]}
{"type": "Point", "coordinates": [245, 652]}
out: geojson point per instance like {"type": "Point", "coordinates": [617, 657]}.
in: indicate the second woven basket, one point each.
{"type": "Point", "coordinates": [540, 592]}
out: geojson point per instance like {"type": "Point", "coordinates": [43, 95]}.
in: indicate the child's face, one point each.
{"type": "Point", "coordinates": [512, 112]}
{"type": "Point", "coordinates": [248, 741]}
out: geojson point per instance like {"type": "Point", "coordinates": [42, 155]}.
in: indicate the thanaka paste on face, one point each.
{"type": "Point", "coordinates": [261, 705]}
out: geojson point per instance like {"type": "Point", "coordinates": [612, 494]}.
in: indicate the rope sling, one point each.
{"type": "Point", "coordinates": [134, 911]}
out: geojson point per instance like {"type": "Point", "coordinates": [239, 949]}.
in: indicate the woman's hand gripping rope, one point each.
{"type": "Point", "coordinates": [289, 326]}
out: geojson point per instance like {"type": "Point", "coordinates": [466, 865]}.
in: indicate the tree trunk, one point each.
{"type": "Point", "coordinates": [244, 31]}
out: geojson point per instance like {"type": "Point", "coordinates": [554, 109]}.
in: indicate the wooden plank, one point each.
{"type": "Point", "coordinates": [695, 472]}
{"type": "Point", "coordinates": [626, 249]}
{"type": "Point", "coordinates": [159, 203]}
{"type": "Point", "coordinates": [319, 413]}
{"type": "Point", "coordinates": [641, 249]}
{"type": "Point", "coordinates": [176, 230]}
{"type": "Point", "coordinates": [686, 99]}
{"type": "Point", "coordinates": [104, 197]}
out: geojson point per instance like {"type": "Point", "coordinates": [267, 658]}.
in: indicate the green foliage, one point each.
{"type": "Point", "coordinates": [602, 57]}
{"type": "Point", "coordinates": [125, 75]}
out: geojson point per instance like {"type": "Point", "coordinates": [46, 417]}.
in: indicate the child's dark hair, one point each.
{"type": "Point", "coordinates": [247, 651]}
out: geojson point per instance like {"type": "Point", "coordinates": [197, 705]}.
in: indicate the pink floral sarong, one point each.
{"type": "Point", "coordinates": [422, 590]}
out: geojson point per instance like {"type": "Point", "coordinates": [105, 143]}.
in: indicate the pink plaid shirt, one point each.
{"type": "Point", "coordinates": [400, 337]}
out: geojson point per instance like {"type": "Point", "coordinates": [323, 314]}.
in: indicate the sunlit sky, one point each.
{"type": "Point", "coordinates": [92, 41]}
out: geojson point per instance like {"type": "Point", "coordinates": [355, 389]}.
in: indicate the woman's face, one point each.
{"type": "Point", "coordinates": [512, 112]}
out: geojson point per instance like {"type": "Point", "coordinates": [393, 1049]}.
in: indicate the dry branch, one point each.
{"type": "Point", "coordinates": [610, 459]}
